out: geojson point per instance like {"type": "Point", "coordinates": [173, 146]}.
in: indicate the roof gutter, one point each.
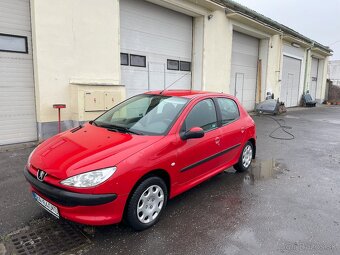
{"type": "Point", "coordinates": [238, 8]}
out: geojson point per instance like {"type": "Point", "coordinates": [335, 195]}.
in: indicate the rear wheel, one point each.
{"type": "Point", "coordinates": [245, 159]}
{"type": "Point", "coordinates": [147, 203]}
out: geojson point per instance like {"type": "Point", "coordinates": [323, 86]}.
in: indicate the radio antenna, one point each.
{"type": "Point", "coordinates": [174, 83]}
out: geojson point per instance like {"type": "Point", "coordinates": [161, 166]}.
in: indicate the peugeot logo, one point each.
{"type": "Point", "coordinates": [41, 175]}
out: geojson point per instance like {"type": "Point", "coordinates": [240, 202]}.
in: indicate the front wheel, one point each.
{"type": "Point", "coordinates": [245, 159]}
{"type": "Point", "coordinates": [147, 203]}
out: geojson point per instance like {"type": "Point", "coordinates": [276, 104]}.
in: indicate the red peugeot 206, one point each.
{"type": "Point", "coordinates": [129, 161]}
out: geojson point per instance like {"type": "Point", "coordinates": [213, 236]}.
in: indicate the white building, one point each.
{"type": "Point", "coordinates": [90, 55]}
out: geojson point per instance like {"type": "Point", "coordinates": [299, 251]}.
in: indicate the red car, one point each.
{"type": "Point", "coordinates": [129, 161]}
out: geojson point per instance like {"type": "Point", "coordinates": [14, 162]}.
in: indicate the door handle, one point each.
{"type": "Point", "coordinates": [217, 140]}
{"type": "Point", "coordinates": [243, 129]}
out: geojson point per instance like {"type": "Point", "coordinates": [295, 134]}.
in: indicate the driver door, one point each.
{"type": "Point", "coordinates": [196, 157]}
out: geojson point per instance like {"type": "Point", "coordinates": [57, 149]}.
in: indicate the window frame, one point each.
{"type": "Point", "coordinates": [128, 59]}
{"type": "Point", "coordinates": [134, 55]}
{"type": "Point", "coordinates": [172, 69]}
{"type": "Point", "coordinates": [16, 36]}
{"type": "Point", "coordinates": [180, 66]}
{"type": "Point", "coordinates": [219, 112]}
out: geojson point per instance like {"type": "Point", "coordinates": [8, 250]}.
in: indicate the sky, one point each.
{"type": "Point", "coordinates": [318, 20]}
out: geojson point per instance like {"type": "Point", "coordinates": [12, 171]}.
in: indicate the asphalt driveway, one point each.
{"type": "Point", "coordinates": [288, 203]}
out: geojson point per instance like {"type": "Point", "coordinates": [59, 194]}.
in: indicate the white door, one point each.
{"type": "Point", "coordinates": [314, 77]}
{"type": "Point", "coordinates": [245, 55]}
{"type": "Point", "coordinates": [17, 99]}
{"type": "Point", "coordinates": [290, 81]}
{"type": "Point", "coordinates": [153, 37]}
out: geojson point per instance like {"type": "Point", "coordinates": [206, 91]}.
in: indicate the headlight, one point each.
{"type": "Point", "coordinates": [89, 179]}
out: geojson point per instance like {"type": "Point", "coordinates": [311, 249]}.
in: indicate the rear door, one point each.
{"type": "Point", "coordinates": [199, 156]}
{"type": "Point", "coordinates": [232, 129]}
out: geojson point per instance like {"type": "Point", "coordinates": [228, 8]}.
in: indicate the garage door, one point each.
{"type": "Point", "coordinates": [156, 47]}
{"type": "Point", "coordinates": [290, 81]}
{"type": "Point", "coordinates": [17, 105]}
{"type": "Point", "coordinates": [314, 77]}
{"type": "Point", "coordinates": [245, 55]}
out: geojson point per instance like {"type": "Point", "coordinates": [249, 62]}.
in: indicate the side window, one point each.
{"type": "Point", "coordinates": [202, 115]}
{"type": "Point", "coordinates": [229, 110]}
{"type": "Point", "coordinates": [124, 59]}
{"type": "Point", "coordinates": [137, 60]}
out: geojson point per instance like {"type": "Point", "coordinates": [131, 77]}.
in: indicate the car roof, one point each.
{"type": "Point", "coordinates": [184, 93]}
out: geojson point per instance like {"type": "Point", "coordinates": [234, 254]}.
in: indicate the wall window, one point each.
{"type": "Point", "coordinates": [13, 43]}
{"type": "Point", "coordinates": [202, 115]}
{"type": "Point", "coordinates": [124, 59]}
{"type": "Point", "coordinates": [185, 66]}
{"type": "Point", "coordinates": [137, 60]}
{"type": "Point", "coordinates": [173, 64]}
{"type": "Point", "coordinates": [229, 110]}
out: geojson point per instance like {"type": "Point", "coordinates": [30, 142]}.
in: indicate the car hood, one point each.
{"type": "Point", "coordinates": [86, 148]}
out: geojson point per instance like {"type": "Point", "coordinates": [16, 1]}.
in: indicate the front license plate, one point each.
{"type": "Point", "coordinates": [46, 205]}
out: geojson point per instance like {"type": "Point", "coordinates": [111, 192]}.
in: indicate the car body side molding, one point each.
{"type": "Point", "coordinates": [209, 158]}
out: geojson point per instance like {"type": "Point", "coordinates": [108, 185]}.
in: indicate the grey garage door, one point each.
{"type": "Point", "coordinates": [156, 47]}
{"type": "Point", "coordinates": [290, 81]}
{"type": "Point", "coordinates": [314, 77]}
{"type": "Point", "coordinates": [17, 100]}
{"type": "Point", "coordinates": [245, 54]}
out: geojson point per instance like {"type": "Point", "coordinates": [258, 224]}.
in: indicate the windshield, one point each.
{"type": "Point", "coordinates": [143, 114]}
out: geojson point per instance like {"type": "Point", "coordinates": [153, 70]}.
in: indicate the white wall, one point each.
{"type": "Point", "coordinates": [197, 52]}
{"type": "Point", "coordinates": [217, 52]}
{"type": "Point", "coordinates": [73, 40]}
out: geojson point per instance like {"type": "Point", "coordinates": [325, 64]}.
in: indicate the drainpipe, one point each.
{"type": "Point", "coordinates": [306, 67]}
{"type": "Point", "coordinates": [279, 66]}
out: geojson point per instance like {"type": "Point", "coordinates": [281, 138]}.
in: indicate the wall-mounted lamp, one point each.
{"type": "Point", "coordinates": [296, 45]}
{"type": "Point", "coordinates": [210, 16]}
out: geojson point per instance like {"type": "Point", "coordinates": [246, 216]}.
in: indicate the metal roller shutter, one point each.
{"type": "Point", "coordinates": [155, 35]}
{"type": "Point", "coordinates": [17, 99]}
{"type": "Point", "coordinates": [290, 81]}
{"type": "Point", "coordinates": [245, 55]}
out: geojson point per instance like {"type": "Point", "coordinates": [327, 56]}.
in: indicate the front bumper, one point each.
{"type": "Point", "coordinates": [90, 209]}
{"type": "Point", "coordinates": [67, 198]}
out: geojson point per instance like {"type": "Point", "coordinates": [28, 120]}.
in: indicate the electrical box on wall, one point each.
{"type": "Point", "coordinates": [94, 101]}
{"type": "Point", "coordinates": [89, 101]}
{"type": "Point", "coordinates": [111, 99]}
{"type": "Point", "coordinates": [100, 100]}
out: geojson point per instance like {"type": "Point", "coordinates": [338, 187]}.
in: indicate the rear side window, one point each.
{"type": "Point", "coordinates": [203, 115]}
{"type": "Point", "coordinates": [229, 110]}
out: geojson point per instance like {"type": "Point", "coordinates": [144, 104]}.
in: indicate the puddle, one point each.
{"type": "Point", "coordinates": [263, 170]}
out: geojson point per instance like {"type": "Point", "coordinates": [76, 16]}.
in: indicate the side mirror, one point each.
{"type": "Point", "coordinates": [194, 132]}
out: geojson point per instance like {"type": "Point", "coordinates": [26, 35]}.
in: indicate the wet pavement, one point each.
{"type": "Point", "coordinates": [287, 203]}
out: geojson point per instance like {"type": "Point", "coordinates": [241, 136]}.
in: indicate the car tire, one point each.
{"type": "Point", "coordinates": [245, 159]}
{"type": "Point", "coordinates": [147, 203]}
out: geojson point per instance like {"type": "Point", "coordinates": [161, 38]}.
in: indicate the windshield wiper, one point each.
{"type": "Point", "coordinates": [92, 122]}
{"type": "Point", "coordinates": [117, 128]}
